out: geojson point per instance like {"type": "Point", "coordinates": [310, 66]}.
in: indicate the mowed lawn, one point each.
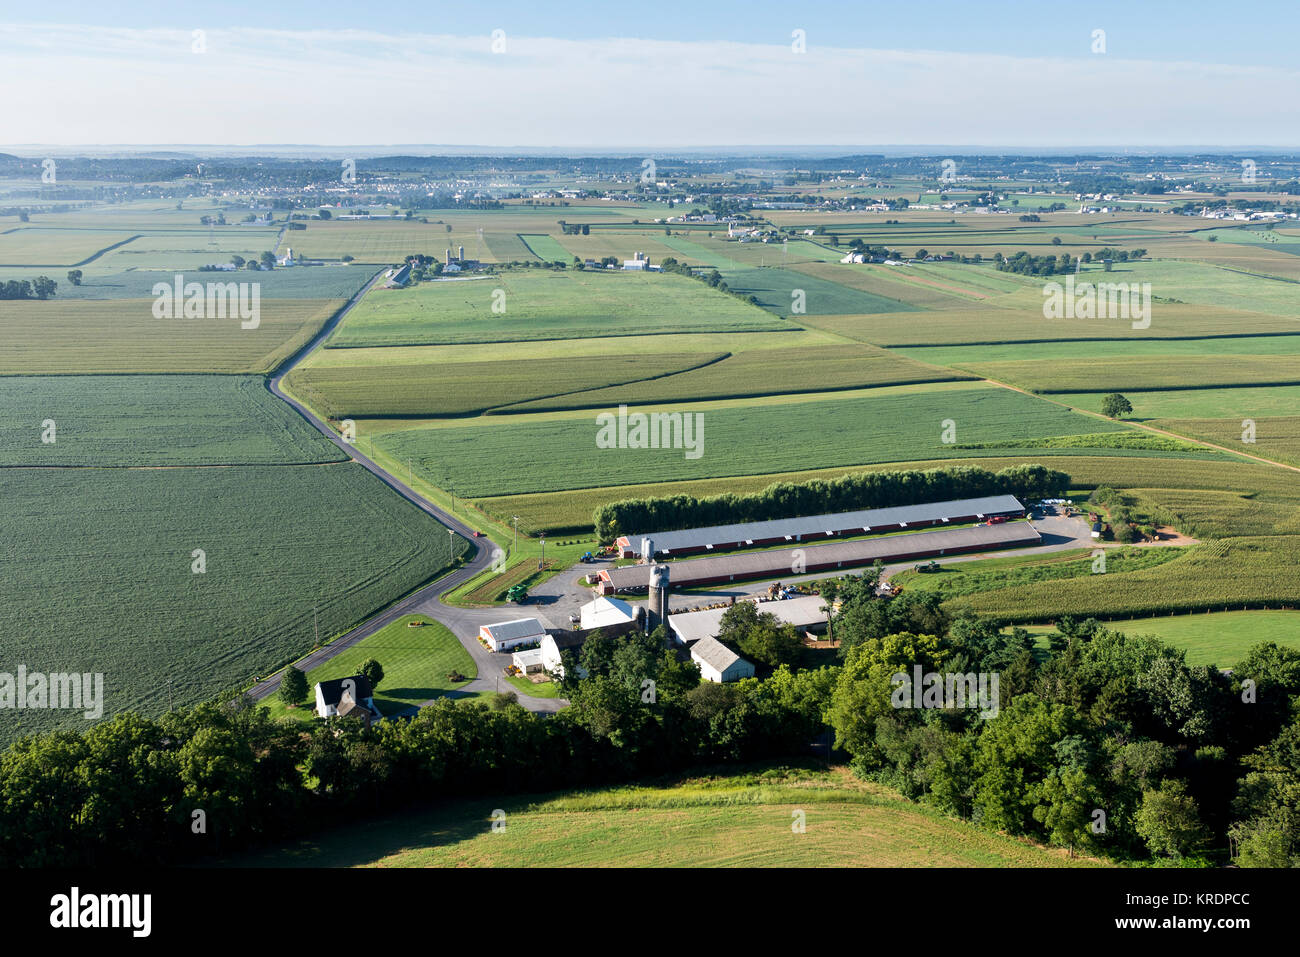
{"type": "Point", "coordinates": [736, 820]}
{"type": "Point", "coordinates": [544, 304]}
{"type": "Point", "coordinates": [1214, 638]}
{"type": "Point", "coordinates": [559, 451]}
{"type": "Point", "coordinates": [417, 660]}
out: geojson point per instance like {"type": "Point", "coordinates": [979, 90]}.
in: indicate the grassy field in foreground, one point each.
{"type": "Point", "coordinates": [416, 662]}
{"type": "Point", "coordinates": [1214, 638]}
{"type": "Point", "coordinates": [734, 820]}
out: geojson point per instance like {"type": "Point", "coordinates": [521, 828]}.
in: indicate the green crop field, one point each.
{"type": "Point", "coordinates": [545, 305]}
{"type": "Point", "coordinates": [112, 281]}
{"type": "Point", "coordinates": [1276, 438]}
{"type": "Point", "coordinates": [462, 388]}
{"type": "Point", "coordinates": [153, 421]}
{"type": "Point", "coordinates": [761, 372]}
{"type": "Point", "coordinates": [123, 336]}
{"type": "Point", "coordinates": [416, 659]}
{"type": "Point", "coordinates": [1018, 318]}
{"type": "Point", "coordinates": [1222, 575]}
{"type": "Point", "coordinates": [34, 246]}
{"type": "Point", "coordinates": [1120, 374]}
{"type": "Point", "coordinates": [386, 241]}
{"type": "Point", "coordinates": [893, 284]}
{"type": "Point", "coordinates": [775, 289]}
{"type": "Point", "coordinates": [547, 248]}
{"type": "Point", "coordinates": [1240, 402]}
{"type": "Point", "coordinates": [1215, 638]}
{"type": "Point", "coordinates": [957, 579]}
{"type": "Point", "coordinates": [736, 820]}
{"type": "Point", "coordinates": [100, 573]}
{"type": "Point", "coordinates": [1069, 349]}
{"type": "Point", "coordinates": [571, 510]}
{"type": "Point", "coordinates": [548, 454]}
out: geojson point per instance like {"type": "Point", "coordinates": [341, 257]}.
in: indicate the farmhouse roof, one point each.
{"type": "Point", "coordinates": [332, 690]}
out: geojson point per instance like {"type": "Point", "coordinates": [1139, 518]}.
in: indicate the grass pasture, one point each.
{"type": "Point", "coordinates": [733, 819]}
{"type": "Point", "coordinates": [1217, 638]}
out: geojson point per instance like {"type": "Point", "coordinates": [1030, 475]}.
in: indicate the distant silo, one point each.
{"type": "Point", "coordinates": [448, 255]}
{"type": "Point", "coordinates": [461, 257]}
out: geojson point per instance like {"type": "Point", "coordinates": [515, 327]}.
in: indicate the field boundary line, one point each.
{"type": "Point", "coordinates": [1145, 427]}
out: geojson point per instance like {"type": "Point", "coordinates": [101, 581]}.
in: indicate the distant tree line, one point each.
{"type": "Point", "coordinates": [42, 287]}
{"type": "Point", "coordinates": [857, 490]}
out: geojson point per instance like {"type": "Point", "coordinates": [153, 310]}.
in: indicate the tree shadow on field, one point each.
{"type": "Point", "coordinates": [351, 845]}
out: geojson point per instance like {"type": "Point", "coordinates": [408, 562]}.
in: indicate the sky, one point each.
{"type": "Point", "coordinates": [659, 75]}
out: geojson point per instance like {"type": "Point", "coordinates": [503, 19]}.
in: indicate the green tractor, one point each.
{"type": "Point", "coordinates": [928, 567]}
{"type": "Point", "coordinates": [517, 593]}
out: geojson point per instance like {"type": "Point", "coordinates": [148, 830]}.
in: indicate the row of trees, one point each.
{"type": "Point", "coordinates": [42, 287]}
{"type": "Point", "coordinates": [713, 279]}
{"type": "Point", "coordinates": [848, 492]}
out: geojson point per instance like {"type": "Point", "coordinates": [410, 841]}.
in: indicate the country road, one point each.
{"type": "Point", "coordinates": [463, 622]}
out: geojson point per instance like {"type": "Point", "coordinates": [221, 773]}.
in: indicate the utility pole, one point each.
{"type": "Point", "coordinates": [542, 561]}
{"type": "Point", "coordinates": [408, 470]}
{"type": "Point", "coordinates": [315, 624]}
{"type": "Point", "coordinates": [515, 547]}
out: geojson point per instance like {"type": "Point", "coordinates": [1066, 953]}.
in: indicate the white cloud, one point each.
{"type": "Point", "coordinates": [83, 85]}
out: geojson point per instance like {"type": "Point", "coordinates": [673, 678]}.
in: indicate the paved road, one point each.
{"type": "Point", "coordinates": [463, 622]}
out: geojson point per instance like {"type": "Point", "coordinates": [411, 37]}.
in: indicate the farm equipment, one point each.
{"type": "Point", "coordinates": [517, 593]}
{"type": "Point", "coordinates": [997, 520]}
{"type": "Point", "coordinates": [588, 558]}
{"type": "Point", "coordinates": [929, 567]}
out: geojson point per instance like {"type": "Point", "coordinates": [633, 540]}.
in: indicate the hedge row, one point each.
{"type": "Point", "coordinates": [848, 492]}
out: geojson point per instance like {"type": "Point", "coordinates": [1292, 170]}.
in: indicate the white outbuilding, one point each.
{"type": "Point", "coordinates": [719, 663]}
{"type": "Point", "coordinates": [606, 613]}
{"type": "Point", "coordinates": [511, 634]}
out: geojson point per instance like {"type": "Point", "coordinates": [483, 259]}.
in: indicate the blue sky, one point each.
{"type": "Point", "coordinates": [667, 73]}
